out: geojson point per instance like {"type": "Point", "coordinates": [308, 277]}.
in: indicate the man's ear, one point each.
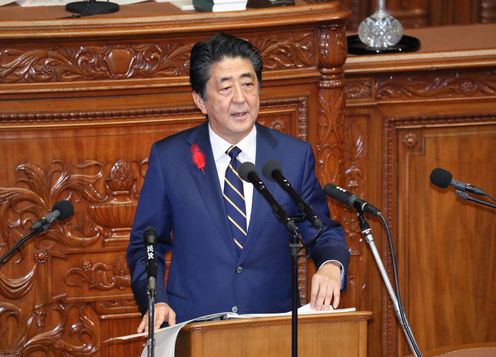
{"type": "Point", "coordinates": [200, 102]}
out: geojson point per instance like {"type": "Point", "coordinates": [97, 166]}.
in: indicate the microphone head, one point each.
{"type": "Point", "coordinates": [245, 169]}
{"type": "Point", "coordinates": [441, 177]}
{"type": "Point", "coordinates": [270, 167]}
{"type": "Point", "coordinates": [65, 208]}
{"type": "Point", "coordinates": [150, 236]}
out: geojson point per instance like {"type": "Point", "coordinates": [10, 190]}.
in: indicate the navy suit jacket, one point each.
{"type": "Point", "coordinates": [206, 274]}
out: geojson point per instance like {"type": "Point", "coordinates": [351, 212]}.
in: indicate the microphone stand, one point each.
{"type": "Point", "coordinates": [150, 342]}
{"type": "Point", "coordinates": [464, 195]}
{"type": "Point", "coordinates": [16, 245]}
{"type": "Point", "coordinates": [295, 246]}
{"type": "Point", "coordinates": [367, 233]}
{"type": "Point", "coordinates": [37, 228]}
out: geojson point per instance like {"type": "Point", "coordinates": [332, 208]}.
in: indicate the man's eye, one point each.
{"type": "Point", "coordinates": [225, 90]}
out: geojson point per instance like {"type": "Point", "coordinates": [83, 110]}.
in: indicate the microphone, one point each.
{"type": "Point", "coordinates": [60, 211]}
{"type": "Point", "coordinates": [443, 178]}
{"type": "Point", "coordinates": [150, 240]}
{"type": "Point", "coordinates": [272, 170]}
{"type": "Point", "coordinates": [349, 199]}
{"type": "Point", "coordinates": [248, 172]}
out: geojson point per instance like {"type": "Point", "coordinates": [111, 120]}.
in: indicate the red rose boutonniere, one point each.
{"type": "Point", "coordinates": [198, 157]}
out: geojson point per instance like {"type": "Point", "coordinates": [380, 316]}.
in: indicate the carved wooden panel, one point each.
{"type": "Point", "coordinates": [356, 155]}
{"type": "Point", "coordinates": [42, 61]}
{"type": "Point", "coordinates": [427, 85]}
{"type": "Point", "coordinates": [439, 84]}
{"type": "Point", "coordinates": [409, 120]}
{"type": "Point", "coordinates": [446, 244]}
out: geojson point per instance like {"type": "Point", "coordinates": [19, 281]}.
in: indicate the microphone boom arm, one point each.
{"type": "Point", "coordinates": [464, 195]}
{"type": "Point", "coordinates": [19, 243]}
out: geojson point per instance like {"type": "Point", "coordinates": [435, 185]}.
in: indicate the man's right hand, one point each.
{"type": "Point", "coordinates": [163, 312]}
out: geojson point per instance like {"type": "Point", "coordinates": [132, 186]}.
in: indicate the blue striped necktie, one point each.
{"type": "Point", "coordinates": [234, 199]}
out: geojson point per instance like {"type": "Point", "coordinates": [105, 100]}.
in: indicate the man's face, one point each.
{"type": "Point", "coordinates": [232, 98]}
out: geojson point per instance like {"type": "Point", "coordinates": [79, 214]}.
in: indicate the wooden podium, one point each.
{"type": "Point", "coordinates": [337, 334]}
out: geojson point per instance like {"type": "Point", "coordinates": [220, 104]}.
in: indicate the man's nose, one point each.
{"type": "Point", "coordinates": [238, 94]}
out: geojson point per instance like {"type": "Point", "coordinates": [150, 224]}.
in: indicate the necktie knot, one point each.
{"type": "Point", "coordinates": [233, 152]}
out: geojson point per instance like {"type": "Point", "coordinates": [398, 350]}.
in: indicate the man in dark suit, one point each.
{"type": "Point", "coordinates": [228, 255]}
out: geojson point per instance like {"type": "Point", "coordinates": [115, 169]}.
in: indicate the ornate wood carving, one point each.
{"type": "Point", "coordinates": [329, 153]}
{"type": "Point", "coordinates": [66, 63]}
{"type": "Point", "coordinates": [355, 157]}
{"type": "Point", "coordinates": [54, 325]}
{"type": "Point", "coordinates": [445, 84]}
{"type": "Point", "coordinates": [296, 124]}
{"type": "Point", "coordinates": [362, 88]}
{"type": "Point", "coordinates": [50, 329]}
{"type": "Point", "coordinates": [92, 62]}
{"type": "Point", "coordinates": [288, 50]}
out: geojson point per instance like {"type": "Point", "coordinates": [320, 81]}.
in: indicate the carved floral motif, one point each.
{"type": "Point", "coordinates": [21, 206]}
{"type": "Point", "coordinates": [99, 275]}
{"type": "Point", "coordinates": [63, 64]}
{"type": "Point", "coordinates": [437, 85]}
{"type": "Point", "coordinates": [292, 50]}
{"type": "Point", "coordinates": [40, 192]}
{"type": "Point", "coordinates": [410, 140]}
{"type": "Point", "coordinates": [116, 214]}
{"type": "Point", "coordinates": [144, 60]}
{"type": "Point", "coordinates": [359, 89]}
{"type": "Point", "coordinates": [50, 330]}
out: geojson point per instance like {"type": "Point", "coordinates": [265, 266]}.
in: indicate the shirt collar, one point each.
{"type": "Point", "coordinates": [248, 144]}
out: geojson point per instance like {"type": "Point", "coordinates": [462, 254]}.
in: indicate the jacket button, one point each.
{"type": "Point", "coordinates": [239, 269]}
{"type": "Point", "coordinates": [234, 309]}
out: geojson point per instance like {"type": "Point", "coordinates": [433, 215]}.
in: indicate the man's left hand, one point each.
{"type": "Point", "coordinates": [326, 286]}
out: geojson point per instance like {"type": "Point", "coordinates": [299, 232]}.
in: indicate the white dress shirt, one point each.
{"type": "Point", "coordinates": [248, 147]}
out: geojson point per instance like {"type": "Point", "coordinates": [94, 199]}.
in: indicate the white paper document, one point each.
{"type": "Point", "coordinates": [165, 338]}
{"type": "Point", "coordinates": [303, 310]}
{"type": "Point", "coordinates": [5, 2]}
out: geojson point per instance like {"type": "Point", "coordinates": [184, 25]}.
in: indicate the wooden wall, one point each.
{"type": "Point", "coordinates": [81, 101]}
{"type": "Point", "coordinates": [406, 115]}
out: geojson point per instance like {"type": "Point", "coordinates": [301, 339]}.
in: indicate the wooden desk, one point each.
{"type": "Point", "coordinates": [343, 334]}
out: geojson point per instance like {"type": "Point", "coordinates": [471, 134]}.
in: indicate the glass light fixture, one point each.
{"type": "Point", "coordinates": [380, 30]}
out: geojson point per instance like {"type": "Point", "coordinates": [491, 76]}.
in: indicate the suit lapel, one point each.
{"type": "Point", "coordinates": [261, 210]}
{"type": "Point", "coordinates": [208, 185]}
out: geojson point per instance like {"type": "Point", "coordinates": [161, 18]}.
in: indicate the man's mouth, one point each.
{"type": "Point", "coordinates": [239, 114]}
